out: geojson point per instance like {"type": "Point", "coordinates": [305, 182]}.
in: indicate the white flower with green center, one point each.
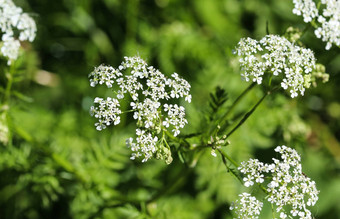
{"type": "Point", "coordinates": [15, 26]}
{"type": "Point", "coordinates": [148, 91]}
{"type": "Point", "coordinates": [286, 184]}
{"type": "Point", "coordinates": [277, 58]}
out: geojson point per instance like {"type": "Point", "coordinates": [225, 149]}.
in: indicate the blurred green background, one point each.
{"type": "Point", "coordinates": [58, 166]}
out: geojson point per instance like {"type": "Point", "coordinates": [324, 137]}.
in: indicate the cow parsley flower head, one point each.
{"type": "Point", "coordinates": [276, 57]}
{"type": "Point", "coordinates": [305, 8]}
{"type": "Point", "coordinates": [247, 206]}
{"type": "Point", "coordinates": [15, 26]}
{"type": "Point", "coordinates": [149, 93]}
{"type": "Point", "coordinates": [327, 20]}
{"type": "Point", "coordinates": [286, 184]}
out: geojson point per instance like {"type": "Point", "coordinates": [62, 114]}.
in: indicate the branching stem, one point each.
{"type": "Point", "coordinates": [248, 114]}
{"type": "Point", "coordinates": [235, 103]}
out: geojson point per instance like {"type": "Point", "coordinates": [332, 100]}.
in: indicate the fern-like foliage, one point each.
{"type": "Point", "coordinates": [217, 100]}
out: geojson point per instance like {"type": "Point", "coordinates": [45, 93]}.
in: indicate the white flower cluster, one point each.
{"type": "Point", "coordinates": [328, 21]}
{"type": "Point", "coordinates": [276, 56]}
{"type": "Point", "coordinates": [247, 206]}
{"type": "Point", "coordinates": [306, 8]}
{"type": "Point", "coordinates": [13, 20]}
{"type": "Point", "coordinates": [287, 184]}
{"type": "Point", "coordinates": [147, 89]}
{"type": "Point", "coordinates": [107, 111]}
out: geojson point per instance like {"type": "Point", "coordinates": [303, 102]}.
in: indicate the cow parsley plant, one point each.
{"type": "Point", "coordinates": [286, 186]}
{"type": "Point", "coordinates": [326, 20]}
{"type": "Point", "coordinates": [15, 26]}
{"type": "Point", "coordinates": [151, 96]}
{"type": "Point", "coordinates": [305, 8]}
{"type": "Point", "coordinates": [247, 207]}
{"type": "Point", "coordinates": [276, 56]}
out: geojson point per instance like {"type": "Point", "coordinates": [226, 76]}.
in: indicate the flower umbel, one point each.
{"type": "Point", "coordinates": [286, 184]}
{"type": "Point", "coordinates": [13, 20]}
{"type": "Point", "coordinates": [148, 91]}
{"type": "Point", "coordinates": [327, 20]}
{"type": "Point", "coordinates": [275, 56]}
{"type": "Point", "coordinates": [247, 206]}
{"type": "Point", "coordinates": [305, 8]}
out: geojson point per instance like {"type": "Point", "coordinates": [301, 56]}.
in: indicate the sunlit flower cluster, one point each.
{"type": "Point", "coordinates": [286, 184]}
{"type": "Point", "coordinates": [15, 26]}
{"type": "Point", "coordinates": [327, 21]}
{"type": "Point", "coordinates": [305, 8]}
{"type": "Point", "coordinates": [247, 206]}
{"type": "Point", "coordinates": [148, 91]}
{"type": "Point", "coordinates": [276, 56]}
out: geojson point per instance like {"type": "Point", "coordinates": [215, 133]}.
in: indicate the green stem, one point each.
{"type": "Point", "coordinates": [263, 188]}
{"type": "Point", "coordinates": [235, 103]}
{"type": "Point", "coordinates": [177, 139]}
{"type": "Point", "coordinates": [5, 103]}
{"type": "Point", "coordinates": [273, 211]}
{"type": "Point", "coordinates": [170, 135]}
{"type": "Point", "coordinates": [165, 142]}
{"type": "Point", "coordinates": [128, 111]}
{"type": "Point", "coordinates": [9, 84]}
{"type": "Point", "coordinates": [305, 30]}
{"type": "Point", "coordinates": [8, 89]}
{"type": "Point", "coordinates": [224, 157]}
{"type": "Point", "coordinates": [229, 158]}
{"type": "Point", "coordinates": [248, 114]}
{"type": "Point", "coordinates": [270, 80]}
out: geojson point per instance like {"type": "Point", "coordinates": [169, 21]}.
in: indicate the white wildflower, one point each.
{"type": "Point", "coordinates": [287, 185]}
{"type": "Point", "coordinates": [327, 19]}
{"type": "Point", "coordinates": [13, 20]}
{"type": "Point", "coordinates": [274, 56]}
{"type": "Point", "coordinates": [10, 48]}
{"type": "Point", "coordinates": [306, 8]}
{"type": "Point", "coordinates": [175, 117]}
{"type": "Point", "coordinates": [247, 206]}
{"type": "Point", "coordinates": [107, 112]}
{"type": "Point", "coordinates": [145, 147]}
{"type": "Point", "coordinates": [149, 90]}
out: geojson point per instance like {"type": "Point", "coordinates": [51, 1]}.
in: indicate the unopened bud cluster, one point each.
{"type": "Point", "coordinates": [279, 57]}
{"type": "Point", "coordinates": [217, 142]}
{"type": "Point", "coordinates": [327, 19]}
{"type": "Point", "coordinates": [15, 26]}
{"type": "Point", "coordinates": [284, 181]}
{"type": "Point", "coordinates": [149, 93]}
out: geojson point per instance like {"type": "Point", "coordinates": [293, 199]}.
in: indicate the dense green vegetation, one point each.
{"type": "Point", "coordinates": [55, 164]}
